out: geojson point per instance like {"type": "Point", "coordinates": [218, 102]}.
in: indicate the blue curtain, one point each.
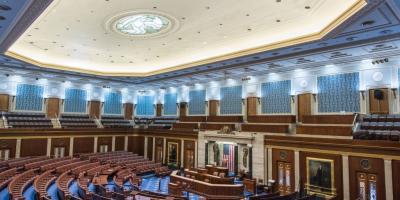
{"type": "Point", "coordinates": [275, 97]}
{"type": "Point", "coordinates": [170, 100]}
{"type": "Point", "coordinates": [197, 100]}
{"type": "Point", "coordinates": [231, 100]}
{"type": "Point", "coordinates": [75, 101]}
{"type": "Point", "coordinates": [338, 93]}
{"type": "Point", "coordinates": [145, 106]}
{"type": "Point", "coordinates": [29, 97]}
{"type": "Point", "coordinates": [113, 103]}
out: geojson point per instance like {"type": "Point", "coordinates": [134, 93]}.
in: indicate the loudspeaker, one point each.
{"type": "Point", "coordinates": [378, 94]}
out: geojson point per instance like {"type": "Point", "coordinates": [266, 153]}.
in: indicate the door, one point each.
{"type": "Point", "coordinates": [303, 105]}
{"type": "Point", "coordinates": [284, 177]}
{"type": "Point", "coordinates": [379, 101]}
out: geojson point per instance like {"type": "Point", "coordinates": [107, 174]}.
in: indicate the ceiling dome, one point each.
{"type": "Point", "coordinates": [142, 24]}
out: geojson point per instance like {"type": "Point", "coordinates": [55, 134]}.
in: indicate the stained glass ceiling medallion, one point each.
{"type": "Point", "coordinates": [142, 24]}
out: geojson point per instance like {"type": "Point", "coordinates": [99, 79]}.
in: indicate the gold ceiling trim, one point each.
{"type": "Point", "coordinates": [295, 41]}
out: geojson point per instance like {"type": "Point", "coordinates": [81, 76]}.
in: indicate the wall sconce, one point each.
{"type": "Point", "coordinates": [292, 97]}
{"type": "Point", "coordinates": [362, 94]}
{"type": "Point", "coordinates": [206, 103]}
{"type": "Point", "coordinates": [394, 92]}
{"type": "Point", "coordinates": [243, 101]}
{"type": "Point", "coordinates": [178, 105]}
{"type": "Point", "coordinates": [259, 100]}
{"type": "Point", "coordinates": [315, 97]}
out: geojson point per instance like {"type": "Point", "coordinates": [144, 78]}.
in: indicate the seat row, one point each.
{"type": "Point", "coordinates": [377, 135]}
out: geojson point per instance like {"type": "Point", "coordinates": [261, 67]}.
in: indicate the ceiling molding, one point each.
{"type": "Point", "coordinates": [359, 5]}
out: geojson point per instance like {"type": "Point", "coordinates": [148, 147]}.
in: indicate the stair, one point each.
{"type": "Point", "coordinates": [5, 122]}
{"type": "Point", "coordinates": [56, 123]}
{"type": "Point", "coordinates": [98, 123]}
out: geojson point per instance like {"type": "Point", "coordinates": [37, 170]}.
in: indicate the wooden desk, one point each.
{"type": "Point", "coordinates": [211, 169]}
{"type": "Point", "coordinates": [211, 178]}
{"type": "Point", "coordinates": [208, 190]}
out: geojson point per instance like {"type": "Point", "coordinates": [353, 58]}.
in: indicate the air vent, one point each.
{"type": "Point", "coordinates": [303, 61]}
{"type": "Point", "coordinates": [382, 47]}
{"type": "Point", "coordinates": [338, 54]}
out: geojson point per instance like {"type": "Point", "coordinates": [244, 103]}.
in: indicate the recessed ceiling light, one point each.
{"type": "Point", "coordinates": [307, 7]}
{"type": "Point", "coordinates": [278, 20]}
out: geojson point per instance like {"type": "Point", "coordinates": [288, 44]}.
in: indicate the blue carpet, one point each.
{"type": "Point", "coordinates": [53, 191]}
{"type": "Point", "coordinates": [4, 195]}
{"type": "Point", "coordinates": [111, 185]}
{"type": "Point", "coordinates": [30, 193]}
{"type": "Point", "coordinates": [92, 187]}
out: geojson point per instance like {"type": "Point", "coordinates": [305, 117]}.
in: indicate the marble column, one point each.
{"type": "Point", "coordinates": [196, 154]}
{"type": "Point", "coordinates": [164, 150]}
{"type": "Point", "coordinates": [154, 148]}
{"type": "Point", "coordinates": [48, 151]}
{"type": "Point", "coordinates": [145, 147]}
{"type": "Point", "coordinates": [126, 143]}
{"type": "Point", "coordinates": [297, 170]}
{"type": "Point", "coordinates": [269, 163]}
{"type": "Point", "coordinates": [113, 143]}
{"type": "Point", "coordinates": [18, 148]}
{"type": "Point", "coordinates": [182, 153]}
{"type": "Point", "coordinates": [388, 179]}
{"type": "Point", "coordinates": [71, 146]}
{"type": "Point", "coordinates": [346, 174]}
{"type": "Point", "coordinates": [96, 140]}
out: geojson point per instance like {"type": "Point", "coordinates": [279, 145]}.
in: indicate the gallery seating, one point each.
{"type": "Point", "coordinates": [109, 121]}
{"type": "Point", "coordinates": [327, 125]}
{"type": "Point", "coordinates": [162, 122]}
{"type": "Point", "coordinates": [378, 127]}
{"type": "Point", "coordinates": [76, 121]}
{"type": "Point", "coordinates": [27, 120]}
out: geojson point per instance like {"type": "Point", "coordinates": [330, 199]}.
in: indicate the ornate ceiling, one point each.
{"type": "Point", "coordinates": [82, 36]}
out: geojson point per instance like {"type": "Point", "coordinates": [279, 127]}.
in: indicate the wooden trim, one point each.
{"type": "Point", "coordinates": [324, 130]}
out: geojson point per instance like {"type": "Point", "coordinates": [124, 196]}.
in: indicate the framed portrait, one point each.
{"type": "Point", "coordinates": [172, 153]}
{"type": "Point", "coordinates": [320, 177]}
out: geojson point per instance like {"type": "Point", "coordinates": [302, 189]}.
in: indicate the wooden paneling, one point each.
{"type": "Point", "coordinates": [376, 167]}
{"type": "Point", "coordinates": [188, 148]}
{"type": "Point", "coordinates": [178, 151]}
{"type": "Point", "coordinates": [53, 107]}
{"type": "Point", "coordinates": [379, 106]}
{"type": "Point", "coordinates": [150, 148]}
{"type": "Point", "coordinates": [272, 119]}
{"type": "Point", "coordinates": [128, 113]}
{"type": "Point", "coordinates": [4, 102]}
{"type": "Point", "coordinates": [60, 142]}
{"type": "Point", "coordinates": [336, 146]}
{"type": "Point", "coordinates": [233, 119]}
{"type": "Point", "coordinates": [9, 144]}
{"type": "Point", "coordinates": [216, 126]}
{"type": "Point", "coordinates": [33, 147]}
{"type": "Point", "coordinates": [83, 145]}
{"type": "Point", "coordinates": [192, 119]}
{"type": "Point", "coordinates": [252, 103]}
{"type": "Point", "coordinates": [136, 145]}
{"type": "Point", "coordinates": [324, 130]}
{"type": "Point", "coordinates": [183, 106]}
{"type": "Point", "coordinates": [119, 143]}
{"type": "Point", "coordinates": [187, 126]}
{"type": "Point", "coordinates": [328, 119]}
{"type": "Point", "coordinates": [159, 149]}
{"type": "Point", "coordinates": [104, 141]}
{"type": "Point", "coordinates": [94, 109]}
{"type": "Point", "coordinates": [338, 177]}
{"type": "Point", "coordinates": [265, 128]}
{"type": "Point", "coordinates": [396, 178]}
{"type": "Point", "coordinates": [303, 105]}
{"type": "Point", "coordinates": [287, 156]}
{"type": "Point", "coordinates": [213, 107]}
{"type": "Point", "coordinates": [159, 110]}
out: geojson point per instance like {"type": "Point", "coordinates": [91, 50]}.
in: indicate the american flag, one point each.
{"type": "Point", "coordinates": [229, 156]}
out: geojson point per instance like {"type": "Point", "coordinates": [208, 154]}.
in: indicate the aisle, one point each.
{"type": "Point", "coordinates": [4, 195]}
